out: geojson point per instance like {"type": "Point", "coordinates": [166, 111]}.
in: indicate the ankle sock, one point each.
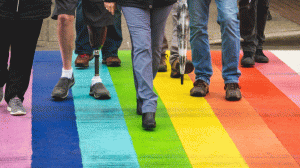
{"type": "Point", "coordinates": [67, 73]}
{"type": "Point", "coordinates": [96, 79]}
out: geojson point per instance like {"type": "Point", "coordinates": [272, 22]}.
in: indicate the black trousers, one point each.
{"type": "Point", "coordinates": [253, 17]}
{"type": "Point", "coordinates": [21, 37]}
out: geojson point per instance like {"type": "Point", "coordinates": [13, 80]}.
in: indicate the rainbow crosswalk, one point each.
{"type": "Point", "coordinates": [261, 130]}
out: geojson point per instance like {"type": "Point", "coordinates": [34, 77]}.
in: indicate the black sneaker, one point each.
{"type": "Point", "coordinates": [248, 59]}
{"type": "Point", "coordinates": [61, 89]}
{"type": "Point", "coordinates": [233, 92]}
{"type": "Point", "coordinates": [98, 91]}
{"type": "Point", "coordinates": [1, 94]}
{"type": "Point", "coordinates": [260, 57]}
{"type": "Point", "coordinates": [200, 89]}
{"type": "Point", "coordinates": [15, 106]}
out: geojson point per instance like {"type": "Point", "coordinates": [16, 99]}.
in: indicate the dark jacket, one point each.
{"type": "Point", "coordinates": [144, 4]}
{"type": "Point", "coordinates": [25, 9]}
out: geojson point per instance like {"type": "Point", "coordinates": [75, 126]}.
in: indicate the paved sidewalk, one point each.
{"type": "Point", "coordinates": [279, 28]}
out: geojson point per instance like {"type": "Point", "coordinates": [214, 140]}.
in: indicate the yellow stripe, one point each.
{"type": "Point", "coordinates": [203, 137]}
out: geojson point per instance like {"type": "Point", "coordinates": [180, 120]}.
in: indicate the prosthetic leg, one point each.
{"type": "Point", "coordinates": [97, 36]}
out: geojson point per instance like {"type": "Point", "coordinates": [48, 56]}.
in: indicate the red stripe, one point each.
{"type": "Point", "coordinates": [255, 141]}
{"type": "Point", "coordinates": [280, 114]}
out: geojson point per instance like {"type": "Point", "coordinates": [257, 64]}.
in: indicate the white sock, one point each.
{"type": "Point", "coordinates": [67, 73]}
{"type": "Point", "coordinates": [96, 79]}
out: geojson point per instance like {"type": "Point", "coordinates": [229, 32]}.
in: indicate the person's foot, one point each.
{"type": "Point", "coordinates": [98, 91]}
{"type": "Point", "coordinates": [200, 89]}
{"type": "Point", "coordinates": [139, 105]}
{"type": "Point", "coordinates": [233, 92]}
{"type": "Point", "coordinates": [175, 71]}
{"type": "Point", "coordinates": [1, 94]}
{"type": "Point", "coordinates": [82, 60]}
{"type": "Point", "coordinates": [61, 89]}
{"type": "Point", "coordinates": [15, 107]}
{"type": "Point", "coordinates": [148, 120]}
{"type": "Point", "coordinates": [163, 65]}
{"type": "Point", "coordinates": [260, 57]}
{"type": "Point", "coordinates": [112, 61]}
{"type": "Point", "coordinates": [248, 59]}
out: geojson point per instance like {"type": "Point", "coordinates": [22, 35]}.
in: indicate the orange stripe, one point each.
{"type": "Point", "coordinates": [254, 140]}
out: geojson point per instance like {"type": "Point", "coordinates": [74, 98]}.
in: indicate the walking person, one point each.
{"type": "Point", "coordinates": [201, 58]}
{"type": "Point", "coordinates": [253, 18]}
{"type": "Point", "coordinates": [97, 14]}
{"type": "Point", "coordinates": [110, 48]}
{"type": "Point", "coordinates": [21, 22]}
{"type": "Point", "coordinates": [146, 22]}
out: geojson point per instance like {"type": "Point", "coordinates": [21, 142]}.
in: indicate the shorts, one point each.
{"type": "Point", "coordinates": [94, 12]}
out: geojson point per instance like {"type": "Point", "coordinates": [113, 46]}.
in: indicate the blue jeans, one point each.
{"type": "Point", "coordinates": [230, 33]}
{"type": "Point", "coordinates": [113, 38]}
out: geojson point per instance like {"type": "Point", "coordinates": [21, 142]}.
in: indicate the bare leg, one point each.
{"type": "Point", "coordinates": [65, 33]}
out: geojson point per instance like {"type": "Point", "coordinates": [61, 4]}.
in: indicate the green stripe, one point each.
{"type": "Point", "coordinates": [158, 148]}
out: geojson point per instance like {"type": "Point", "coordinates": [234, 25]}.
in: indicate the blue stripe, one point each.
{"type": "Point", "coordinates": [103, 134]}
{"type": "Point", "coordinates": [55, 141]}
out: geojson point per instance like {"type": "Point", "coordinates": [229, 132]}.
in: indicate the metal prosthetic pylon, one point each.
{"type": "Point", "coordinates": [97, 36]}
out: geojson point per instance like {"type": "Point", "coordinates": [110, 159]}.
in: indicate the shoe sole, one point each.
{"type": "Point", "coordinates": [114, 64]}
{"type": "Point", "coordinates": [17, 113]}
{"type": "Point", "coordinates": [232, 98]}
{"type": "Point", "coordinates": [149, 126]}
{"type": "Point", "coordinates": [162, 69]}
{"type": "Point", "coordinates": [81, 66]}
{"type": "Point", "coordinates": [100, 97]}
{"type": "Point", "coordinates": [62, 98]}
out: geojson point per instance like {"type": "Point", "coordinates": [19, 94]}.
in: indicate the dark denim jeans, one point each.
{"type": "Point", "coordinates": [113, 37]}
{"type": "Point", "coordinates": [253, 17]}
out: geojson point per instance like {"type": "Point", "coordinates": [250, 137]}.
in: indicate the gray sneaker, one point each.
{"type": "Point", "coordinates": [61, 89]}
{"type": "Point", "coordinates": [15, 107]}
{"type": "Point", "coordinates": [1, 94]}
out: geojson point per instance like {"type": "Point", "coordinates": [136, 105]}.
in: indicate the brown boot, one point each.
{"type": "Point", "coordinates": [112, 61]}
{"type": "Point", "coordinates": [175, 72]}
{"type": "Point", "coordinates": [162, 65]}
{"type": "Point", "coordinates": [200, 89]}
{"type": "Point", "coordinates": [82, 60]}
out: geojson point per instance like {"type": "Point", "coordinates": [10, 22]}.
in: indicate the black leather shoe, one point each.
{"type": "Point", "coordinates": [149, 120]}
{"type": "Point", "coordinates": [260, 57]}
{"type": "Point", "coordinates": [98, 91]}
{"type": "Point", "coordinates": [248, 59]}
{"type": "Point", "coordinates": [139, 105]}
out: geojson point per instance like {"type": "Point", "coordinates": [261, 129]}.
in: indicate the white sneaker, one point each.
{"type": "Point", "coordinates": [15, 107]}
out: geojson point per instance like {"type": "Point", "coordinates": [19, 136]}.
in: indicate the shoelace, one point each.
{"type": "Point", "coordinates": [17, 102]}
{"type": "Point", "coordinates": [232, 86]}
{"type": "Point", "coordinates": [200, 84]}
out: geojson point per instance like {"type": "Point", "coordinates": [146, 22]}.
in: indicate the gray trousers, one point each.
{"type": "Point", "coordinates": [146, 28]}
{"type": "Point", "coordinates": [174, 45]}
